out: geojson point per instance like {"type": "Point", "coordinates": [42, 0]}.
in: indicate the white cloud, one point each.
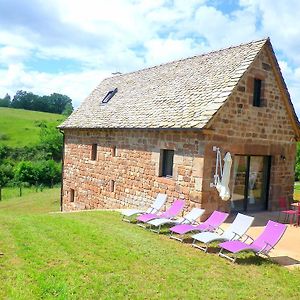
{"type": "Point", "coordinates": [75, 85]}
{"type": "Point", "coordinates": [118, 35]}
{"type": "Point", "coordinates": [158, 50]}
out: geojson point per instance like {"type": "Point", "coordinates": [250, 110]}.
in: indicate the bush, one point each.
{"type": "Point", "coordinates": [25, 173]}
{"type": "Point", "coordinates": [46, 172]}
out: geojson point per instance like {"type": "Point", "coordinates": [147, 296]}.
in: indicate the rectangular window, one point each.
{"type": "Point", "coordinates": [94, 152]}
{"type": "Point", "coordinates": [72, 195]}
{"type": "Point", "coordinates": [166, 163]}
{"type": "Point", "coordinates": [257, 93]}
{"type": "Point", "coordinates": [113, 151]}
{"type": "Point", "coordinates": [112, 186]}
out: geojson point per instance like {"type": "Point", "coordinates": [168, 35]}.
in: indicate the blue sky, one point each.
{"type": "Point", "coordinates": [69, 46]}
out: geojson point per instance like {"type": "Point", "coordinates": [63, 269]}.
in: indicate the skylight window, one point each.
{"type": "Point", "coordinates": [109, 95]}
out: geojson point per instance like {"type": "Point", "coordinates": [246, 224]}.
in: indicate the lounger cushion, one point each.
{"type": "Point", "coordinates": [131, 212]}
{"type": "Point", "coordinates": [237, 246]}
{"type": "Point", "coordinates": [147, 217]}
{"type": "Point", "coordinates": [208, 237]}
{"type": "Point", "coordinates": [185, 228]}
{"type": "Point", "coordinates": [157, 222]}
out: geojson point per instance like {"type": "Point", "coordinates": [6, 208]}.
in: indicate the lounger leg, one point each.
{"type": "Point", "coordinates": [200, 247]}
{"type": "Point", "coordinates": [141, 224]}
{"type": "Point", "coordinates": [232, 259]}
{"type": "Point", "coordinates": [171, 236]}
{"type": "Point", "coordinates": [155, 230]}
{"type": "Point", "coordinates": [126, 220]}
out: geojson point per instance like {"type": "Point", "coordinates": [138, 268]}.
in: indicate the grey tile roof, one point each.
{"type": "Point", "coordinates": [180, 94]}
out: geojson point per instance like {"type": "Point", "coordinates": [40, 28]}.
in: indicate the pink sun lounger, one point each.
{"type": "Point", "coordinates": [171, 212]}
{"type": "Point", "coordinates": [211, 224]}
{"type": "Point", "coordinates": [267, 240]}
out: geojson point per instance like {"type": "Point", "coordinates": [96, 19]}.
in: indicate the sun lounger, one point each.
{"type": "Point", "coordinates": [189, 218]}
{"type": "Point", "coordinates": [170, 213]}
{"type": "Point", "coordinates": [211, 224]}
{"type": "Point", "coordinates": [267, 240]}
{"type": "Point", "coordinates": [154, 208]}
{"type": "Point", "coordinates": [235, 231]}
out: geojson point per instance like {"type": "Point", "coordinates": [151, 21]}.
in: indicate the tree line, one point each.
{"type": "Point", "coordinates": [38, 165]}
{"type": "Point", "coordinates": [54, 103]}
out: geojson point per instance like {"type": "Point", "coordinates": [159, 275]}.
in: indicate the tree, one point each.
{"type": "Point", "coordinates": [6, 101]}
{"type": "Point", "coordinates": [51, 142]}
{"type": "Point", "coordinates": [25, 100]}
{"type": "Point", "coordinates": [6, 174]}
{"type": "Point", "coordinates": [25, 173]}
{"type": "Point", "coordinates": [55, 103]}
{"type": "Point", "coordinates": [58, 103]}
{"type": "Point", "coordinates": [68, 109]}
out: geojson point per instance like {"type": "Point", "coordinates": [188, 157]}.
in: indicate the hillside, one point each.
{"type": "Point", "coordinates": [20, 127]}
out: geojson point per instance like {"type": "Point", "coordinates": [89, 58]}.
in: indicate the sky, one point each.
{"type": "Point", "coordinates": [69, 46]}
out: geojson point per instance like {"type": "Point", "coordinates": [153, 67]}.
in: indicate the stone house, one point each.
{"type": "Point", "coordinates": [153, 130]}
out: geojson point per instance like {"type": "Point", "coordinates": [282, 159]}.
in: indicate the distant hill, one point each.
{"type": "Point", "coordinates": [19, 127]}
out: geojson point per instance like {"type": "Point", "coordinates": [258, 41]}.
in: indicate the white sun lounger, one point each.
{"type": "Point", "coordinates": [154, 208]}
{"type": "Point", "coordinates": [189, 218]}
{"type": "Point", "coordinates": [235, 231]}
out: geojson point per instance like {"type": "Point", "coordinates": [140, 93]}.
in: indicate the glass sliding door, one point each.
{"type": "Point", "coordinates": [251, 181]}
{"type": "Point", "coordinates": [239, 179]}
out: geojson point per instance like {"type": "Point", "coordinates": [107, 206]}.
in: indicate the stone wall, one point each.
{"type": "Point", "coordinates": [134, 168]}
{"type": "Point", "coordinates": [244, 129]}
{"type": "Point", "coordinates": [131, 177]}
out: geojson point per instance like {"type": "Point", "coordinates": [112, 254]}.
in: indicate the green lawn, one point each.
{"type": "Point", "coordinates": [93, 255]}
{"type": "Point", "coordinates": [19, 127]}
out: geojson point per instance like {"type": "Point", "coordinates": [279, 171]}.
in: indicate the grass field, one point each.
{"type": "Point", "coordinates": [19, 127]}
{"type": "Point", "coordinates": [93, 255]}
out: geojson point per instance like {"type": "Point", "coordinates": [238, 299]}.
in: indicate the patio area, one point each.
{"type": "Point", "coordinates": [287, 251]}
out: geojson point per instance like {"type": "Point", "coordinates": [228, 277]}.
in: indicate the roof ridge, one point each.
{"type": "Point", "coordinates": [188, 58]}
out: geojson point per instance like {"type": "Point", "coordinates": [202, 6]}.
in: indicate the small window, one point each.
{"type": "Point", "coordinates": [109, 95]}
{"type": "Point", "coordinates": [167, 163]}
{"type": "Point", "coordinates": [112, 186]}
{"type": "Point", "coordinates": [94, 152]}
{"type": "Point", "coordinates": [113, 151]}
{"type": "Point", "coordinates": [257, 93]}
{"type": "Point", "coordinates": [72, 195]}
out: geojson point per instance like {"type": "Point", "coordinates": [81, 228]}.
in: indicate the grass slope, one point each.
{"type": "Point", "coordinates": [20, 126]}
{"type": "Point", "coordinates": [93, 255]}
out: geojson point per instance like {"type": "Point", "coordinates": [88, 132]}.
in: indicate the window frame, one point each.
{"type": "Point", "coordinates": [109, 95]}
{"type": "Point", "coordinates": [257, 92]}
{"type": "Point", "coordinates": [72, 195]}
{"type": "Point", "coordinates": [166, 163]}
{"type": "Point", "coordinates": [94, 152]}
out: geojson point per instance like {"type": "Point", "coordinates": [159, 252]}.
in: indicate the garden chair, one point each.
{"type": "Point", "coordinates": [267, 240]}
{"type": "Point", "coordinates": [189, 218]}
{"type": "Point", "coordinates": [235, 231]}
{"type": "Point", "coordinates": [154, 208]}
{"type": "Point", "coordinates": [170, 213]}
{"type": "Point", "coordinates": [211, 224]}
{"type": "Point", "coordinates": [284, 209]}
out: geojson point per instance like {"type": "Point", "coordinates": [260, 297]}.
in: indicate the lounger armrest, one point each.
{"type": "Point", "coordinates": [248, 237]}
{"type": "Point", "coordinates": [219, 228]}
{"type": "Point", "coordinates": [212, 228]}
{"type": "Point", "coordinates": [153, 210]}
{"type": "Point", "coordinates": [235, 235]}
{"type": "Point", "coordinates": [266, 248]}
{"type": "Point", "coordinates": [184, 220]}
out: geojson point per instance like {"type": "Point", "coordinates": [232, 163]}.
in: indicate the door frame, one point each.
{"type": "Point", "coordinates": [266, 176]}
